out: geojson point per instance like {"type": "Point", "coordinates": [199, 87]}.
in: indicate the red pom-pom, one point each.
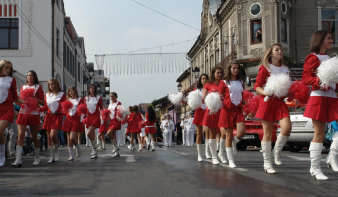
{"type": "Point", "coordinates": [105, 114]}
{"type": "Point", "coordinates": [27, 93]}
{"type": "Point", "coordinates": [141, 125]}
{"type": "Point", "coordinates": [252, 105]}
{"type": "Point", "coordinates": [30, 105]}
{"type": "Point", "coordinates": [66, 106]}
{"type": "Point", "coordinates": [300, 92]}
{"type": "Point", "coordinates": [82, 109]}
{"type": "Point", "coordinates": [247, 95]}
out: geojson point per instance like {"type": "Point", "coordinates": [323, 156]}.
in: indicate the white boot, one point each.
{"type": "Point", "coordinates": [153, 146]}
{"type": "Point", "coordinates": [199, 155]}
{"type": "Point", "coordinates": [218, 144]}
{"type": "Point", "coordinates": [56, 152]}
{"type": "Point", "coordinates": [115, 147]}
{"type": "Point", "coordinates": [280, 143]}
{"type": "Point", "coordinates": [234, 144]}
{"type": "Point", "coordinates": [128, 137]}
{"type": "Point", "coordinates": [230, 155]}
{"type": "Point", "coordinates": [207, 154]}
{"type": "Point", "coordinates": [71, 154]}
{"type": "Point", "coordinates": [37, 160]}
{"type": "Point", "coordinates": [103, 145]}
{"type": "Point", "coordinates": [148, 144]}
{"type": "Point", "coordinates": [221, 153]}
{"type": "Point", "coordinates": [140, 147]}
{"type": "Point", "coordinates": [18, 160]}
{"type": "Point", "coordinates": [266, 150]}
{"type": "Point", "coordinates": [212, 143]}
{"type": "Point", "coordinates": [332, 158]}
{"type": "Point", "coordinates": [94, 150]}
{"type": "Point", "coordinates": [52, 155]}
{"type": "Point", "coordinates": [99, 145]}
{"type": "Point", "coordinates": [3, 154]}
{"type": "Point", "coordinates": [78, 151]}
{"type": "Point", "coordinates": [315, 156]}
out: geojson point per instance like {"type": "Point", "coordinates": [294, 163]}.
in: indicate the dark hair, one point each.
{"type": "Point", "coordinates": [227, 75]}
{"type": "Point", "coordinates": [114, 93]}
{"type": "Point", "coordinates": [95, 92]}
{"type": "Point", "coordinates": [135, 109]}
{"type": "Point", "coordinates": [199, 82]}
{"type": "Point", "coordinates": [130, 108]}
{"type": "Point", "coordinates": [212, 76]}
{"type": "Point", "coordinates": [35, 76]}
{"type": "Point", "coordinates": [151, 113]}
{"type": "Point", "coordinates": [317, 40]}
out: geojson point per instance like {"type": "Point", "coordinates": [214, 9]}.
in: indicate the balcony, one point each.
{"type": "Point", "coordinates": [227, 60]}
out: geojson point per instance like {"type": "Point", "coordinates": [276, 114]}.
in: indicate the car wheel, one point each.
{"type": "Point", "coordinates": [241, 146]}
{"type": "Point", "coordinates": [294, 148]}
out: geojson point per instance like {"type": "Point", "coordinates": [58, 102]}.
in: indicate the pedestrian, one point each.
{"type": "Point", "coordinates": [143, 132]}
{"type": "Point", "coordinates": [178, 128]}
{"type": "Point", "coordinates": [322, 106]}
{"type": "Point", "coordinates": [158, 135]}
{"type": "Point", "coordinates": [191, 128]}
{"type": "Point", "coordinates": [53, 120]}
{"type": "Point", "coordinates": [168, 129]}
{"type": "Point", "coordinates": [133, 120]}
{"type": "Point", "coordinates": [94, 104]}
{"type": "Point", "coordinates": [162, 129]}
{"type": "Point", "coordinates": [7, 97]}
{"type": "Point", "coordinates": [211, 120]}
{"type": "Point", "coordinates": [150, 128]}
{"type": "Point", "coordinates": [114, 123]}
{"type": "Point", "coordinates": [274, 109]}
{"type": "Point", "coordinates": [231, 91]}
{"type": "Point", "coordinates": [73, 124]}
{"type": "Point", "coordinates": [184, 126]}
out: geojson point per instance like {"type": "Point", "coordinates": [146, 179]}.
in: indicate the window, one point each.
{"type": "Point", "coordinates": [9, 33]}
{"type": "Point", "coordinates": [329, 23]}
{"type": "Point", "coordinates": [57, 42]}
{"type": "Point", "coordinates": [226, 49]}
{"type": "Point", "coordinates": [256, 31]}
{"type": "Point", "coordinates": [284, 32]}
{"type": "Point", "coordinates": [255, 9]}
{"type": "Point", "coordinates": [284, 7]}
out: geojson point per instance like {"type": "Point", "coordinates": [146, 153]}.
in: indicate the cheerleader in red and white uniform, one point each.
{"type": "Point", "coordinates": [323, 104]}
{"type": "Point", "coordinates": [114, 123]}
{"type": "Point", "coordinates": [133, 121]}
{"type": "Point", "coordinates": [8, 95]}
{"type": "Point", "coordinates": [102, 131]}
{"type": "Point", "coordinates": [150, 127]}
{"type": "Point", "coordinates": [274, 109]}
{"type": "Point", "coordinates": [211, 120]}
{"type": "Point", "coordinates": [231, 91]}
{"type": "Point", "coordinates": [53, 119]}
{"type": "Point", "coordinates": [73, 124]}
{"type": "Point", "coordinates": [130, 109]}
{"type": "Point", "coordinates": [94, 105]}
{"type": "Point", "coordinates": [29, 118]}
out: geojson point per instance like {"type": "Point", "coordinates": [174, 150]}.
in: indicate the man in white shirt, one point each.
{"type": "Point", "coordinates": [168, 131]}
{"type": "Point", "coordinates": [191, 128]}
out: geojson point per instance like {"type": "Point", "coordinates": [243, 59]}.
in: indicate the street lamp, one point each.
{"type": "Point", "coordinates": [179, 87]}
{"type": "Point", "coordinates": [196, 72]}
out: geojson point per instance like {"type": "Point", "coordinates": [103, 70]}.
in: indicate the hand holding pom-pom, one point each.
{"type": "Point", "coordinates": [252, 105]}
{"type": "Point", "coordinates": [300, 92]}
{"type": "Point", "coordinates": [122, 112]}
{"type": "Point", "coordinates": [30, 105]}
{"type": "Point", "coordinates": [194, 100]}
{"type": "Point", "coordinates": [277, 85]}
{"type": "Point", "coordinates": [175, 98]}
{"type": "Point", "coordinates": [82, 109]}
{"type": "Point", "coordinates": [66, 106]}
{"type": "Point", "coordinates": [105, 114]}
{"type": "Point", "coordinates": [327, 72]}
{"type": "Point", "coordinates": [247, 95]}
{"type": "Point", "coordinates": [27, 93]}
{"type": "Point", "coordinates": [213, 102]}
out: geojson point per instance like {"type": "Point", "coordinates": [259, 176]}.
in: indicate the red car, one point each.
{"type": "Point", "coordinates": [254, 134]}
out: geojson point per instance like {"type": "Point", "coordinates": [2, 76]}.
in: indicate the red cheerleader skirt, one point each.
{"type": "Point", "coordinates": [150, 129]}
{"type": "Point", "coordinates": [229, 118]}
{"type": "Point", "coordinates": [53, 121]}
{"type": "Point", "coordinates": [28, 119]}
{"type": "Point", "coordinates": [73, 124]}
{"type": "Point", "coordinates": [114, 124]}
{"type": "Point", "coordinates": [7, 113]}
{"type": "Point", "coordinates": [128, 129]}
{"type": "Point", "coordinates": [93, 120]}
{"type": "Point", "coordinates": [199, 116]}
{"type": "Point", "coordinates": [272, 110]}
{"type": "Point", "coordinates": [103, 128]}
{"type": "Point", "coordinates": [324, 109]}
{"type": "Point", "coordinates": [134, 128]}
{"type": "Point", "coordinates": [211, 120]}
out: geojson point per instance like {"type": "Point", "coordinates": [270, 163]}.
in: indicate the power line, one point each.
{"type": "Point", "coordinates": [165, 15]}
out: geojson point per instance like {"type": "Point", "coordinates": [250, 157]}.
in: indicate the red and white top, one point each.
{"type": "Point", "coordinates": [94, 104]}
{"type": "Point", "coordinates": [148, 123]}
{"type": "Point", "coordinates": [113, 109]}
{"type": "Point", "coordinates": [232, 93]}
{"type": "Point", "coordinates": [211, 87]}
{"type": "Point", "coordinates": [38, 94]}
{"type": "Point", "coordinates": [75, 102]}
{"type": "Point", "coordinates": [52, 103]}
{"type": "Point", "coordinates": [312, 62]}
{"type": "Point", "coordinates": [264, 73]}
{"type": "Point", "coordinates": [8, 93]}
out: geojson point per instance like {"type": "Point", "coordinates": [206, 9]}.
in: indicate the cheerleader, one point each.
{"type": "Point", "coordinates": [231, 91]}
{"type": "Point", "coordinates": [322, 106]}
{"type": "Point", "coordinates": [102, 131]}
{"type": "Point", "coordinates": [274, 109]}
{"type": "Point", "coordinates": [114, 123]}
{"type": "Point", "coordinates": [143, 132]}
{"type": "Point", "coordinates": [32, 119]}
{"type": "Point", "coordinates": [73, 124]}
{"type": "Point", "coordinates": [150, 128]}
{"type": "Point", "coordinates": [94, 104]}
{"type": "Point", "coordinates": [8, 95]}
{"type": "Point", "coordinates": [211, 120]}
{"type": "Point", "coordinates": [133, 120]}
{"type": "Point", "coordinates": [53, 119]}
{"type": "Point", "coordinates": [130, 109]}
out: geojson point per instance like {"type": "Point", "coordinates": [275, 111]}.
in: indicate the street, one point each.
{"type": "Point", "coordinates": [171, 171]}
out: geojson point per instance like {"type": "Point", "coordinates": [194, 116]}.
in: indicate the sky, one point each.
{"type": "Point", "coordinates": [117, 26]}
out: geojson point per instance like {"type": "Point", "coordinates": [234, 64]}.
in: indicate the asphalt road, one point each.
{"type": "Point", "coordinates": [171, 171]}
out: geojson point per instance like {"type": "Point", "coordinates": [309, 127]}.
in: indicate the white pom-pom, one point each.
{"type": "Point", "coordinates": [194, 100]}
{"type": "Point", "coordinates": [277, 85]}
{"type": "Point", "coordinates": [122, 112]}
{"type": "Point", "coordinates": [328, 72]}
{"type": "Point", "coordinates": [213, 102]}
{"type": "Point", "coordinates": [175, 98]}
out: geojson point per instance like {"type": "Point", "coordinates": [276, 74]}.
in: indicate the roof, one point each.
{"type": "Point", "coordinates": [162, 100]}
{"type": "Point", "coordinates": [185, 74]}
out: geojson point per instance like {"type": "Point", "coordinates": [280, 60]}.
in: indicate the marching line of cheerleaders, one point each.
{"type": "Point", "coordinates": [322, 108]}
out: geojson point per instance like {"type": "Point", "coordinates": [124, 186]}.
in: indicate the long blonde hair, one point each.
{"type": "Point", "coordinates": [75, 90]}
{"type": "Point", "coordinates": [266, 60]}
{"type": "Point", "coordinates": [2, 64]}
{"type": "Point", "coordinates": [57, 87]}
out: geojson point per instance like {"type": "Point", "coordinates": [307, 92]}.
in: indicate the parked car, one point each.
{"type": "Point", "coordinates": [254, 134]}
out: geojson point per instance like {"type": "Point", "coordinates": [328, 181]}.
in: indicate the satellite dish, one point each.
{"type": "Point", "coordinates": [214, 5]}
